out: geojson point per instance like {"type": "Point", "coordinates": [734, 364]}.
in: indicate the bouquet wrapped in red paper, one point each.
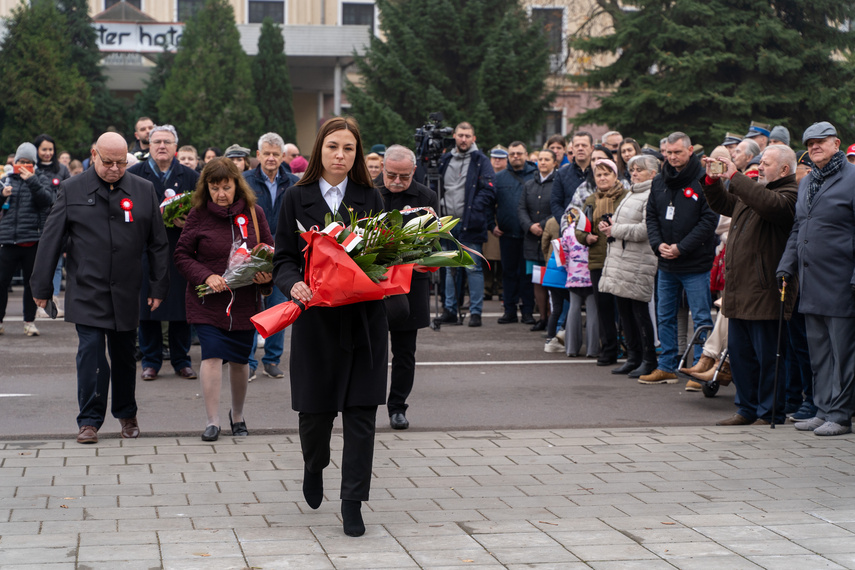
{"type": "Point", "coordinates": [367, 260]}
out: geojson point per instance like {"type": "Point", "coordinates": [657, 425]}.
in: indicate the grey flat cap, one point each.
{"type": "Point", "coordinates": [819, 131]}
{"type": "Point", "coordinates": [236, 151]}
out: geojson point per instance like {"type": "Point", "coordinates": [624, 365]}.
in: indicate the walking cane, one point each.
{"type": "Point", "coordinates": [778, 353]}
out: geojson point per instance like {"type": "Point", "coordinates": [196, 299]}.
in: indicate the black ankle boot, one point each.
{"type": "Point", "coordinates": [647, 367]}
{"type": "Point", "coordinates": [633, 361]}
{"type": "Point", "coordinates": [351, 517]}
{"type": "Point", "coordinates": [313, 487]}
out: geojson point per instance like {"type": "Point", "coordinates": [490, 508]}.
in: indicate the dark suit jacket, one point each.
{"type": "Point", "coordinates": [339, 355]}
{"type": "Point", "coordinates": [102, 264]}
{"type": "Point", "coordinates": [181, 179]}
{"type": "Point", "coordinates": [417, 302]}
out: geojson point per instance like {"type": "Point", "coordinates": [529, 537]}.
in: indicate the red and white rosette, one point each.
{"type": "Point", "coordinates": [689, 193]}
{"type": "Point", "coordinates": [127, 205]}
{"type": "Point", "coordinates": [241, 221]}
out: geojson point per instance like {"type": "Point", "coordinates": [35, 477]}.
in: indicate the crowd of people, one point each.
{"type": "Point", "coordinates": [606, 248]}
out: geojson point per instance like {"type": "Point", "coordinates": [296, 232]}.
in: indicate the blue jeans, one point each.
{"type": "Point", "coordinates": [516, 285]}
{"type": "Point", "coordinates": [274, 344]}
{"type": "Point", "coordinates": [57, 277]}
{"type": "Point", "coordinates": [474, 274]}
{"type": "Point", "coordinates": [697, 287]}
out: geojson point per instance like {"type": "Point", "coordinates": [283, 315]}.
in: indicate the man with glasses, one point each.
{"type": "Point", "coordinates": [164, 171]}
{"type": "Point", "coordinates": [110, 220]}
{"type": "Point", "coordinates": [411, 312]}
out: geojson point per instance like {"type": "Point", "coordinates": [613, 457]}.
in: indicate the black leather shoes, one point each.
{"type": "Point", "coordinates": [645, 369]}
{"type": "Point", "coordinates": [475, 320]}
{"type": "Point", "coordinates": [539, 326]}
{"type": "Point", "coordinates": [398, 421]}
{"type": "Point", "coordinates": [211, 433]}
{"type": "Point", "coordinates": [627, 367]}
{"type": "Point", "coordinates": [448, 317]}
{"type": "Point", "coordinates": [527, 319]}
{"type": "Point", "coordinates": [606, 361]}
{"type": "Point", "coordinates": [508, 318]}
{"type": "Point", "coordinates": [313, 487]}
{"type": "Point", "coordinates": [238, 428]}
{"type": "Point", "coordinates": [351, 517]}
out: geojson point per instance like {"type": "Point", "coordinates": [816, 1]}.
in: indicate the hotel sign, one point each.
{"type": "Point", "coordinates": [137, 37]}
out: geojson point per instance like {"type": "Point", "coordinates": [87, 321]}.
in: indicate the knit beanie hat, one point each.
{"type": "Point", "coordinates": [780, 133]}
{"type": "Point", "coordinates": [26, 151]}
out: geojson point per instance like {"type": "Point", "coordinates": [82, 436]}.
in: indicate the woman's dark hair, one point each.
{"type": "Point", "coordinates": [622, 166]}
{"type": "Point", "coordinates": [554, 157]}
{"type": "Point", "coordinates": [358, 172]}
{"type": "Point", "coordinates": [217, 170]}
{"type": "Point", "coordinates": [555, 139]}
{"type": "Point", "coordinates": [53, 165]}
{"type": "Point", "coordinates": [217, 152]}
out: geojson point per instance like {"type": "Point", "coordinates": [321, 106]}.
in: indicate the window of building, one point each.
{"type": "Point", "coordinates": [188, 8]}
{"type": "Point", "coordinates": [135, 3]}
{"type": "Point", "coordinates": [260, 9]}
{"type": "Point", "coordinates": [552, 20]}
{"type": "Point", "coordinates": [357, 14]}
{"type": "Point", "coordinates": [552, 123]}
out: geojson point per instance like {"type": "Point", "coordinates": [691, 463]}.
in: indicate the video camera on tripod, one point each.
{"type": "Point", "coordinates": [432, 140]}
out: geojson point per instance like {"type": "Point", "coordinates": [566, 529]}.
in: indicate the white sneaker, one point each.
{"type": "Point", "coordinates": [260, 343]}
{"type": "Point", "coordinates": [41, 314]}
{"type": "Point", "coordinates": [553, 346]}
{"type": "Point", "coordinates": [560, 336]}
{"type": "Point", "coordinates": [59, 310]}
{"type": "Point", "coordinates": [30, 329]}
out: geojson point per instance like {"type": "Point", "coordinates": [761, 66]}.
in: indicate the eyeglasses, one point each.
{"type": "Point", "coordinates": [111, 163]}
{"type": "Point", "coordinates": [516, 154]}
{"type": "Point", "coordinates": [161, 143]}
{"type": "Point", "coordinates": [401, 177]}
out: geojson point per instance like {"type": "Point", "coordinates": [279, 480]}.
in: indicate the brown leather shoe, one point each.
{"type": "Point", "coordinates": [658, 376]}
{"type": "Point", "coordinates": [149, 374]}
{"type": "Point", "coordinates": [87, 434]}
{"type": "Point", "coordinates": [760, 423]}
{"type": "Point", "coordinates": [130, 428]}
{"type": "Point", "coordinates": [735, 420]}
{"type": "Point", "coordinates": [704, 364]}
{"type": "Point", "coordinates": [187, 373]}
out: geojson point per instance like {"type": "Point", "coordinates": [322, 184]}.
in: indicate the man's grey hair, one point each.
{"type": "Point", "coordinates": [677, 136]}
{"type": "Point", "coordinates": [272, 139]}
{"type": "Point", "coordinates": [289, 146]}
{"type": "Point", "coordinates": [786, 155]}
{"type": "Point", "coordinates": [164, 128]}
{"type": "Point", "coordinates": [609, 134]}
{"type": "Point", "coordinates": [663, 141]}
{"type": "Point", "coordinates": [398, 152]}
{"type": "Point", "coordinates": [645, 162]}
{"type": "Point", "coordinates": [750, 147]}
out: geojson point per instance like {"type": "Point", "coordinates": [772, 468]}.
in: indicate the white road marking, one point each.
{"type": "Point", "coordinates": [14, 395]}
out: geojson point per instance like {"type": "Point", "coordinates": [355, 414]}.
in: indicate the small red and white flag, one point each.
{"type": "Point", "coordinates": [583, 224]}
{"type": "Point", "coordinates": [558, 251]}
{"type": "Point", "coordinates": [127, 206]}
{"type": "Point", "coordinates": [689, 193]}
{"type": "Point", "coordinates": [537, 274]}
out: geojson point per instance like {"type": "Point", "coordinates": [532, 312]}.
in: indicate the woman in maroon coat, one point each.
{"type": "Point", "coordinates": [221, 215]}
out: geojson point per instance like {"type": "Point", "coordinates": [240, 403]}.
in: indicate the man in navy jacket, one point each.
{"type": "Point", "coordinates": [269, 180]}
{"type": "Point", "coordinates": [468, 194]}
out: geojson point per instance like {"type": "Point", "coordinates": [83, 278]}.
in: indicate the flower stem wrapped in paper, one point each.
{"type": "Point", "coordinates": [174, 207]}
{"type": "Point", "coordinates": [242, 266]}
{"type": "Point", "coordinates": [366, 260]}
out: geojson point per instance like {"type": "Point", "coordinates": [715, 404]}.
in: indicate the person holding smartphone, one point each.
{"type": "Point", "coordinates": [26, 199]}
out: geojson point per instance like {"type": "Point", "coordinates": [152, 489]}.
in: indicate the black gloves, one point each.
{"type": "Point", "coordinates": [784, 276]}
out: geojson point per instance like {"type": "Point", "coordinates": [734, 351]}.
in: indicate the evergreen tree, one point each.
{"type": "Point", "coordinates": [145, 102]}
{"type": "Point", "coordinates": [42, 90]}
{"type": "Point", "coordinates": [706, 67]}
{"type": "Point", "coordinates": [480, 61]}
{"type": "Point", "coordinates": [208, 94]}
{"type": "Point", "coordinates": [108, 110]}
{"type": "Point", "coordinates": [272, 82]}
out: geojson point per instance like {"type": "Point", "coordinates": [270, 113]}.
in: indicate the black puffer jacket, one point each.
{"type": "Point", "coordinates": [692, 225]}
{"type": "Point", "coordinates": [534, 209]}
{"type": "Point", "coordinates": [29, 206]}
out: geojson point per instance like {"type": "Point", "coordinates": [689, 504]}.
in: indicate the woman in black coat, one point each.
{"type": "Point", "coordinates": [339, 355]}
{"type": "Point", "coordinates": [411, 312]}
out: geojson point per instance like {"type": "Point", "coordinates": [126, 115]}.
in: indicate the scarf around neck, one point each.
{"type": "Point", "coordinates": [819, 175]}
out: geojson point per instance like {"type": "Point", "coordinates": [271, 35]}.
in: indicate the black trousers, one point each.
{"type": "Point", "coordinates": [605, 318]}
{"type": "Point", "coordinates": [637, 329]}
{"type": "Point", "coordinates": [11, 258]}
{"type": "Point", "coordinates": [94, 374]}
{"type": "Point", "coordinates": [403, 369]}
{"type": "Point", "coordinates": [357, 456]}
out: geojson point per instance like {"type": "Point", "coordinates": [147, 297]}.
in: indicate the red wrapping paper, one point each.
{"type": "Point", "coordinates": [335, 280]}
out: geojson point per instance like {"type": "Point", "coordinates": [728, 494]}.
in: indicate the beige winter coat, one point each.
{"type": "Point", "coordinates": [630, 266]}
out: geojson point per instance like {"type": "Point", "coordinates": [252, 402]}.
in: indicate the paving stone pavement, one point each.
{"type": "Point", "coordinates": [651, 498]}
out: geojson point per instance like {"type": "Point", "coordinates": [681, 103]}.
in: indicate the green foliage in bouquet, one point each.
{"type": "Point", "coordinates": [176, 209]}
{"type": "Point", "coordinates": [387, 241]}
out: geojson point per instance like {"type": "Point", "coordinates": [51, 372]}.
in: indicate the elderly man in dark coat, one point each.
{"type": "Point", "coordinates": [411, 312]}
{"type": "Point", "coordinates": [164, 171]}
{"type": "Point", "coordinates": [762, 217]}
{"type": "Point", "coordinates": [111, 219]}
{"type": "Point", "coordinates": [820, 250]}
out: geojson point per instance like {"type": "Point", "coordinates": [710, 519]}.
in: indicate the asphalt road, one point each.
{"type": "Point", "coordinates": [493, 377]}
